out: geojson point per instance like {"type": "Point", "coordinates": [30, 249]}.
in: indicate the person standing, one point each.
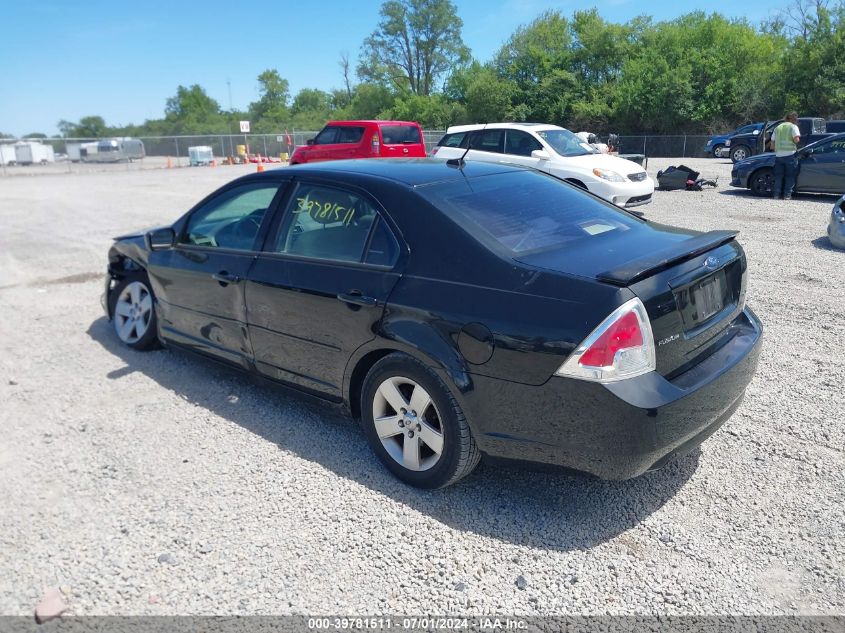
{"type": "Point", "coordinates": [785, 139]}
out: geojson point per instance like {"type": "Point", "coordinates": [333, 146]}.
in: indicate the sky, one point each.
{"type": "Point", "coordinates": [122, 60]}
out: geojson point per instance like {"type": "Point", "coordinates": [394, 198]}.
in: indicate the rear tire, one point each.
{"type": "Point", "coordinates": [718, 148]}
{"type": "Point", "coordinates": [132, 306]}
{"type": "Point", "coordinates": [761, 182]}
{"type": "Point", "coordinates": [414, 424]}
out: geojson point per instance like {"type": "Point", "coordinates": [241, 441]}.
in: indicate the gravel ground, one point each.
{"type": "Point", "coordinates": [156, 484]}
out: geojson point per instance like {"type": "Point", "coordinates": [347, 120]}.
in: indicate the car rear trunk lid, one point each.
{"type": "Point", "coordinates": [692, 285]}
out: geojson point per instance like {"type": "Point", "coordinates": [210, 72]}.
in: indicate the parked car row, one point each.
{"type": "Point", "coordinates": [548, 148]}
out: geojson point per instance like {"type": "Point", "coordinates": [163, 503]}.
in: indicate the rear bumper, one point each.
{"type": "Point", "coordinates": [618, 430]}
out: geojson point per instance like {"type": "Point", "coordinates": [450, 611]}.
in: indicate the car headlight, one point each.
{"type": "Point", "coordinates": [606, 174]}
{"type": "Point", "coordinates": [728, 143]}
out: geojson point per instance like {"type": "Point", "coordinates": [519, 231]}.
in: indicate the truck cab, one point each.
{"type": "Point", "coordinates": [741, 146]}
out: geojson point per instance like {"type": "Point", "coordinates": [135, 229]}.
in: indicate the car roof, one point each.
{"type": "Point", "coordinates": [413, 172]}
{"type": "Point", "coordinates": [373, 122]}
{"type": "Point", "coordinates": [528, 127]}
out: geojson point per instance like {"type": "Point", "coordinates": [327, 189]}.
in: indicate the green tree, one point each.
{"type": "Point", "coordinates": [416, 43]}
{"type": "Point", "coordinates": [432, 111]}
{"type": "Point", "coordinates": [536, 61]}
{"type": "Point", "coordinates": [367, 102]}
{"type": "Point", "coordinates": [271, 109]}
{"type": "Point", "coordinates": [192, 111]}
{"type": "Point", "coordinates": [87, 127]}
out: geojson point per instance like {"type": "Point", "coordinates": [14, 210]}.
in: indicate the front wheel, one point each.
{"type": "Point", "coordinates": [414, 425]}
{"type": "Point", "coordinates": [717, 150]}
{"type": "Point", "coordinates": [740, 153]}
{"type": "Point", "coordinates": [133, 312]}
{"type": "Point", "coordinates": [762, 182]}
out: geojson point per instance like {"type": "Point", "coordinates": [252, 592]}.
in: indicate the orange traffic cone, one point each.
{"type": "Point", "coordinates": [213, 163]}
{"type": "Point", "coordinates": [169, 162]}
{"type": "Point", "coordinates": [260, 165]}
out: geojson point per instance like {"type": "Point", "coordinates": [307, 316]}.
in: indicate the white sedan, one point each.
{"type": "Point", "coordinates": [552, 149]}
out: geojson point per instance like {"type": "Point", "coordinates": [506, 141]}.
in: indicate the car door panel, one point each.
{"type": "Point", "coordinates": [302, 329]}
{"type": "Point", "coordinates": [200, 288]}
{"type": "Point", "coordinates": [308, 313]}
{"type": "Point", "coordinates": [824, 169]}
{"type": "Point", "coordinates": [205, 314]}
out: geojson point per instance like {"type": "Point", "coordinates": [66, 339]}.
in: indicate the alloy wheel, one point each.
{"type": "Point", "coordinates": [408, 424]}
{"type": "Point", "coordinates": [132, 312]}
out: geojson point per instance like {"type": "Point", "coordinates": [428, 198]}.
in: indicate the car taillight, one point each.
{"type": "Point", "coordinates": [434, 150]}
{"type": "Point", "coordinates": [375, 146]}
{"type": "Point", "coordinates": [621, 347]}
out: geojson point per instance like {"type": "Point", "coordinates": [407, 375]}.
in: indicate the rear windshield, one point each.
{"type": "Point", "coordinates": [400, 134]}
{"type": "Point", "coordinates": [526, 211]}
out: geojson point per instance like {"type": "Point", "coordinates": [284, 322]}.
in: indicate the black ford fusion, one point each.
{"type": "Point", "coordinates": [458, 311]}
{"type": "Point", "coordinates": [821, 169]}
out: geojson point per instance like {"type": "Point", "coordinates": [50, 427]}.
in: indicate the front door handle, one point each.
{"type": "Point", "coordinates": [224, 277]}
{"type": "Point", "coordinates": [358, 298]}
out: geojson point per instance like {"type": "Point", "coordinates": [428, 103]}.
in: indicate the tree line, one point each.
{"type": "Point", "coordinates": [697, 73]}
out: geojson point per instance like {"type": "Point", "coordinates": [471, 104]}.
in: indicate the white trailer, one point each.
{"type": "Point", "coordinates": [113, 150]}
{"type": "Point", "coordinates": [200, 155]}
{"type": "Point", "coordinates": [7, 154]}
{"type": "Point", "coordinates": [31, 152]}
{"type": "Point", "coordinates": [73, 152]}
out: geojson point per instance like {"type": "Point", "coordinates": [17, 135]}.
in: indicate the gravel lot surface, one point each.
{"type": "Point", "coordinates": [151, 483]}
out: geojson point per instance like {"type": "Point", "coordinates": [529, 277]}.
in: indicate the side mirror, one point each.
{"type": "Point", "coordinates": [160, 239]}
{"type": "Point", "coordinates": [310, 141]}
{"type": "Point", "coordinates": [806, 152]}
{"type": "Point", "coordinates": [540, 154]}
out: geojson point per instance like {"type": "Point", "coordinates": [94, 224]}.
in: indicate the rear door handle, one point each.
{"type": "Point", "coordinates": [225, 277]}
{"type": "Point", "coordinates": [358, 298]}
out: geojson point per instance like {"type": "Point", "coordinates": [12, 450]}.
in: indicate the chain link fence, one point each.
{"type": "Point", "coordinates": [175, 149]}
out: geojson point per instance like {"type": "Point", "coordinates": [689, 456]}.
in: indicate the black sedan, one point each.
{"type": "Point", "coordinates": [821, 169]}
{"type": "Point", "coordinates": [458, 311]}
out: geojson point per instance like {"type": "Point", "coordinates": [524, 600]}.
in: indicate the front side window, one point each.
{"type": "Point", "coordinates": [489, 141]}
{"type": "Point", "coordinates": [832, 147]}
{"type": "Point", "coordinates": [231, 219]}
{"type": "Point", "coordinates": [327, 136]}
{"type": "Point", "coordinates": [326, 223]}
{"type": "Point", "coordinates": [565, 143]}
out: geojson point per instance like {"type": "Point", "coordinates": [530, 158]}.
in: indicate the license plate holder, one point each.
{"type": "Point", "coordinates": [708, 298]}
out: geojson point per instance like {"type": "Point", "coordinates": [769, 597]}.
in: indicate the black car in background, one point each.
{"type": "Point", "coordinates": [457, 310]}
{"type": "Point", "coordinates": [821, 169]}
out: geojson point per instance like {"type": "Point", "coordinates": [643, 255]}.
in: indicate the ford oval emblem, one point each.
{"type": "Point", "coordinates": [711, 262]}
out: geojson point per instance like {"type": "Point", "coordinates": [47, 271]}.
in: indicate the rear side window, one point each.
{"type": "Point", "coordinates": [349, 134]}
{"type": "Point", "coordinates": [326, 223]}
{"type": "Point", "coordinates": [453, 140]}
{"type": "Point", "coordinates": [489, 141]}
{"type": "Point", "coordinates": [525, 211]}
{"type": "Point", "coordinates": [400, 134]}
